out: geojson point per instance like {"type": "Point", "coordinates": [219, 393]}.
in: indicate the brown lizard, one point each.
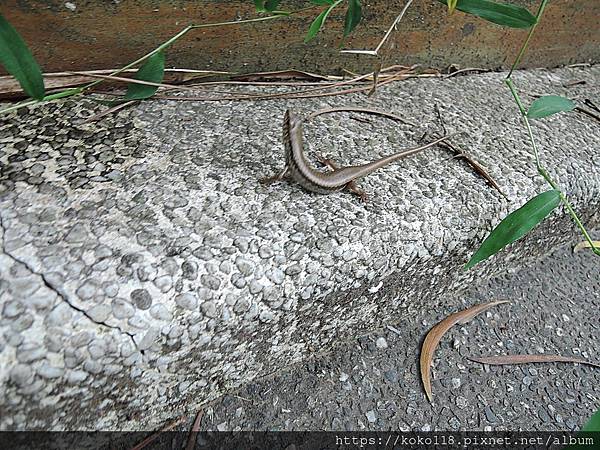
{"type": "Point", "coordinates": [298, 168]}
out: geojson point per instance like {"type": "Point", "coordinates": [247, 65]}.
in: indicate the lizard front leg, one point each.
{"type": "Point", "coordinates": [352, 186]}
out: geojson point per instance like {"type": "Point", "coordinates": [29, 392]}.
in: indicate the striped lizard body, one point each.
{"type": "Point", "coordinates": [298, 168]}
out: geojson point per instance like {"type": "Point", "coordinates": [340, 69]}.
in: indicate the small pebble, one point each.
{"type": "Point", "coordinates": [381, 343]}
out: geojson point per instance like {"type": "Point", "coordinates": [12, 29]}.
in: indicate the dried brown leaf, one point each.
{"type": "Point", "coordinates": [291, 74]}
{"type": "Point", "coordinates": [437, 332]}
{"type": "Point", "coordinates": [526, 359]}
{"type": "Point", "coordinates": [585, 244]}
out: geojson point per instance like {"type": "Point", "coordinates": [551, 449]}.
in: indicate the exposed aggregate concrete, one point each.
{"type": "Point", "coordinates": [373, 383]}
{"type": "Point", "coordinates": [144, 270]}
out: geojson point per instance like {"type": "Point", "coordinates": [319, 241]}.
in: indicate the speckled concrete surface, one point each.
{"type": "Point", "coordinates": [372, 382]}
{"type": "Point", "coordinates": [144, 271]}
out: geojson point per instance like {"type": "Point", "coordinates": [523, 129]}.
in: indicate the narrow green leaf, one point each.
{"type": "Point", "coordinates": [549, 104]}
{"type": "Point", "coordinates": [152, 70]}
{"type": "Point", "coordinates": [322, 2]}
{"type": "Point", "coordinates": [516, 225]}
{"type": "Point", "coordinates": [451, 5]}
{"type": "Point", "coordinates": [592, 426]}
{"type": "Point", "coordinates": [19, 62]}
{"type": "Point", "coordinates": [271, 5]}
{"type": "Point", "coordinates": [498, 13]}
{"type": "Point", "coordinates": [319, 21]}
{"type": "Point", "coordinates": [316, 25]}
{"type": "Point", "coordinates": [353, 16]}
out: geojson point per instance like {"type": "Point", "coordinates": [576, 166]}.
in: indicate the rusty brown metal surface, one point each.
{"type": "Point", "coordinates": [99, 34]}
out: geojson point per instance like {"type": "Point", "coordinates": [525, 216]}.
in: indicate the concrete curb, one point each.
{"type": "Point", "coordinates": [144, 271]}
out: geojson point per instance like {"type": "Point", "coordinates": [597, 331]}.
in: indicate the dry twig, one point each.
{"type": "Point", "coordinates": [385, 37]}
{"type": "Point", "coordinates": [379, 46]}
{"type": "Point", "coordinates": [587, 113]}
{"type": "Point", "coordinates": [109, 111]}
{"type": "Point", "coordinates": [466, 70]}
{"type": "Point", "coordinates": [280, 74]}
{"type": "Point", "coordinates": [131, 80]}
{"type": "Point", "coordinates": [10, 87]}
{"type": "Point", "coordinates": [191, 443]}
{"type": "Point", "coordinates": [501, 360]}
{"type": "Point", "coordinates": [308, 93]}
{"type": "Point", "coordinates": [155, 436]}
{"type": "Point", "coordinates": [477, 167]}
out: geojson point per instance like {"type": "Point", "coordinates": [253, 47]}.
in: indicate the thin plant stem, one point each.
{"type": "Point", "coordinates": [540, 168]}
{"type": "Point", "coordinates": [394, 24]}
{"type": "Point", "coordinates": [529, 35]}
{"type": "Point", "coordinates": [20, 105]}
{"type": "Point", "coordinates": [47, 98]}
{"type": "Point", "coordinates": [182, 33]}
{"type": "Point", "coordinates": [389, 31]}
{"type": "Point", "coordinates": [161, 47]}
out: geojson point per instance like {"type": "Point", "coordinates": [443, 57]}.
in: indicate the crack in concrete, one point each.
{"type": "Point", "coordinates": [57, 290]}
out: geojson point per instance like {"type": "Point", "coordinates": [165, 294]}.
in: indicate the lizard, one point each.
{"type": "Point", "coordinates": [339, 178]}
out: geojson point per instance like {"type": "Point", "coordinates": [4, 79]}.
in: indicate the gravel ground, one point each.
{"type": "Point", "coordinates": [372, 382]}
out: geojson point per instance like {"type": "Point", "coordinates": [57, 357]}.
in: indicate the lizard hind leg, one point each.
{"type": "Point", "coordinates": [352, 186]}
{"type": "Point", "coordinates": [275, 178]}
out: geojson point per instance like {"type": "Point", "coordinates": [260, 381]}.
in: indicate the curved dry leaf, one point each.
{"type": "Point", "coordinates": [585, 244]}
{"type": "Point", "coordinates": [435, 335]}
{"type": "Point", "coordinates": [291, 74]}
{"type": "Point", "coordinates": [526, 359]}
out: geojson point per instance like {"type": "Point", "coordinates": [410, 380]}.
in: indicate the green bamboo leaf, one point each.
{"type": "Point", "coordinates": [498, 13]}
{"type": "Point", "coordinates": [516, 225]}
{"type": "Point", "coordinates": [19, 62]}
{"type": "Point", "coordinates": [592, 426]}
{"type": "Point", "coordinates": [322, 2]}
{"type": "Point", "coordinates": [271, 5]}
{"type": "Point", "coordinates": [152, 70]}
{"type": "Point", "coordinates": [316, 25]}
{"type": "Point", "coordinates": [451, 5]}
{"type": "Point", "coordinates": [353, 16]}
{"type": "Point", "coordinates": [549, 104]}
{"type": "Point", "coordinates": [319, 21]}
